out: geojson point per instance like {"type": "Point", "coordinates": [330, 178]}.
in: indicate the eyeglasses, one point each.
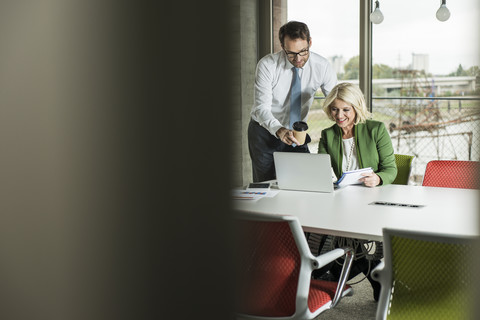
{"type": "Point", "coordinates": [293, 55]}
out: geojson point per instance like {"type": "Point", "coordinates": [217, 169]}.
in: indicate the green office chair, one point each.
{"type": "Point", "coordinates": [426, 276]}
{"type": "Point", "coordinates": [404, 167]}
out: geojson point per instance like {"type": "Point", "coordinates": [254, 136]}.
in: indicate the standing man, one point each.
{"type": "Point", "coordinates": [285, 85]}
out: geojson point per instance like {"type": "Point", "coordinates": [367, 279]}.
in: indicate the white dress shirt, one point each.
{"type": "Point", "coordinates": [273, 80]}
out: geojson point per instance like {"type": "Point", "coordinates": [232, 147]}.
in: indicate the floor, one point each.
{"type": "Point", "coordinates": [360, 305]}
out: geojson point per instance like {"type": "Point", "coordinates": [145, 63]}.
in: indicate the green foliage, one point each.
{"type": "Point", "coordinates": [473, 71]}
{"type": "Point", "coordinates": [352, 69]}
{"type": "Point", "coordinates": [382, 71]}
{"type": "Point", "coordinates": [460, 72]}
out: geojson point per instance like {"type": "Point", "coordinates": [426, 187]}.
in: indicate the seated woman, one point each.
{"type": "Point", "coordinates": [354, 142]}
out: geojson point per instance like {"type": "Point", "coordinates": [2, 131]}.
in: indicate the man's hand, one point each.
{"type": "Point", "coordinates": [286, 136]}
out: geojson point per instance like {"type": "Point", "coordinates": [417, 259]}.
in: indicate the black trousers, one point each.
{"type": "Point", "coordinates": [360, 265]}
{"type": "Point", "coordinates": [262, 145]}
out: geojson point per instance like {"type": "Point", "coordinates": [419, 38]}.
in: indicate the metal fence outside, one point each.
{"type": "Point", "coordinates": [428, 128]}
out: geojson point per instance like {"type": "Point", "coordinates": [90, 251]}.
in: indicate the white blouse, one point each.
{"type": "Point", "coordinates": [349, 154]}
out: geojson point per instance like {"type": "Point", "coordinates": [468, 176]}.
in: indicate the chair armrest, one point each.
{"type": "Point", "coordinates": [376, 273]}
{"type": "Point", "coordinates": [330, 256]}
{"type": "Point", "coordinates": [381, 275]}
{"type": "Point", "coordinates": [325, 258]}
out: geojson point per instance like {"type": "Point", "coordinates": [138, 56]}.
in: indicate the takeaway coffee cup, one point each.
{"type": "Point", "coordinates": [300, 131]}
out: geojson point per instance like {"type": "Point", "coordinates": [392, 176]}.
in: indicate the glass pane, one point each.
{"type": "Point", "coordinates": [334, 38]}
{"type": "Point", "coordinates": [410, 36]}
{"type": "Point", "coordinates": [433, 66]}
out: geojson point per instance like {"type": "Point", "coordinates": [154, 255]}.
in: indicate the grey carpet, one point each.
{"type": "Point", "coordinates": [359, 306]}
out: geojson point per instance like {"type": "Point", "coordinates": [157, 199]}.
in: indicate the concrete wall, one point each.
{"type": "Point", "coordinates": [245, 48]}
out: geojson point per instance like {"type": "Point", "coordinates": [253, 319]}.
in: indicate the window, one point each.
{"type": "Point", "coordinates": [424, 80]}
{"type": "Point", "coordinates": [335, 37]}
{"type": "Point", "coordinates": [425, 73]}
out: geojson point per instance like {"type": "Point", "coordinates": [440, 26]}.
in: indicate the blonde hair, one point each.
{"type": "Point", "coordinates": [351, 94]}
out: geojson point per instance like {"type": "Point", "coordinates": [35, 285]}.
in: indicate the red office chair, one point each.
{"type": "Point", "coordinates": [452, 174]}
{"type": "Point", "coordinates": [275, 267]}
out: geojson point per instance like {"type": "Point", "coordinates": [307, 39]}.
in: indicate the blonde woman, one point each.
{"type": "Point", "coordinates": [354, 142]}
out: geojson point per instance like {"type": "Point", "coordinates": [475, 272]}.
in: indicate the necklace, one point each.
{"type": "Point", "coordinates": [350, 154]}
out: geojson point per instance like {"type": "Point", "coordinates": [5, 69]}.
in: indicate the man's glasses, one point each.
{"type": "Point", "coordinates": [293, 55]}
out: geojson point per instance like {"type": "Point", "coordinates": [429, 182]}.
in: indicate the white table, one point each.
{"type": "Point", "coordinates": [348, 212]}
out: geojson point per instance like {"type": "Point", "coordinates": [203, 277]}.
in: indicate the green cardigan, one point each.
{"type": "Point", "coordinates": [374, 149]}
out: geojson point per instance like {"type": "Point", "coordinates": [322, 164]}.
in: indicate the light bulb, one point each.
{"type": "Point", "coordinates": [376, 16]}
{"type": "Point", "coordinates": [443, 13]}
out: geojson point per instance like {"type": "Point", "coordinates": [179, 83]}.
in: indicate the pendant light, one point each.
{"type": "Point", "coordinates": [377, 16]}
{"type": "Point", "coordinates": [443, 13]}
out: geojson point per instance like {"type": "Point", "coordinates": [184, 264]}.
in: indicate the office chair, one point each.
{"type": "Point", "coordinates": [404, 167]}
{"type": "Point", "coordinates": [452, 174]}
{"type": "Point", "coordinates": [425, 276]}
{"type": "Point", "coordinates": [275, 270]}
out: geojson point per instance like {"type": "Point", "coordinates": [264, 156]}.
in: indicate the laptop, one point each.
{"type": "Point", "coordinates": [303, 171]}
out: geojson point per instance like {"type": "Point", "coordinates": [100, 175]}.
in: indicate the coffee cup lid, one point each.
{"type": "Point", "coordinates": [300, 126]}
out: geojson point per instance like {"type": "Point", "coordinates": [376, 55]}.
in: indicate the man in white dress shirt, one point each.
{"type": "Point", "coordinates": [269, 129]}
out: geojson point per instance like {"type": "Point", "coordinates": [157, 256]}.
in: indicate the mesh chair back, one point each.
{"type": "Point", "coordinates": [274, 270]}
{"type": "Point", "coordinates": [404, 167]}
{"type": "Point", "coordinates": [431, 276]}
{"type": "Point", "coordinates": [452, 174]}
{"type": "Point", "coordinates": [269, 269]}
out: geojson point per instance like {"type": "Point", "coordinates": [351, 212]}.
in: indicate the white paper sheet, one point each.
{"type": "Point", "coordinates": [351, 177]}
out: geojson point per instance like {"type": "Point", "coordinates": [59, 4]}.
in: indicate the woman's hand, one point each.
{"type": "Point", "coordinates": [370, 179]}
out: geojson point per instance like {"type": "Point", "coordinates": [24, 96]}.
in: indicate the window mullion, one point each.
{"type": "Point", "coordinates": [365, 61]}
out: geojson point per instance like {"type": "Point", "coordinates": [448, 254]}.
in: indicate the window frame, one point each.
{"type": "Point", "coordinates": [273, 14]}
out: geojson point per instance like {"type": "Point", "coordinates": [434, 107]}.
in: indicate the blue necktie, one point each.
{"type": "Point", "coordinates": [295, 98]}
